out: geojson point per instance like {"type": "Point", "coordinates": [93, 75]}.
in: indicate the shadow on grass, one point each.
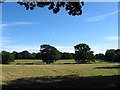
{"type": "Point", "coordinates": [69, 81]}
{"type": "Point", "coordinates": [109, 67]}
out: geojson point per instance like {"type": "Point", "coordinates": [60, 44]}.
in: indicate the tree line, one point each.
{"type": "Point", "coordinates": [49, 54]}
{"type": "Point", "coordinates": [8, 57]}
{"type": "Point", "coordinates": [111, 55]}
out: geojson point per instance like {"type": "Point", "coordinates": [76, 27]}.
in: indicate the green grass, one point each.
{"type": "Point", "coordinates": [67, 61]}
{"type": "Point", "coordinates": [70, 61]}
{"type": "Point", "coordinates": [59, 73]}
{"type": "Point", "coordinates": [23, 61]}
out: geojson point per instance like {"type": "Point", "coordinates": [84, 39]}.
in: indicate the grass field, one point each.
{"type": "Point", "coordinates": [60, 75]}
{"type": "Point", "coordinates": [23, 61]}
{"type": "Point", "coordinates": [67, 61]}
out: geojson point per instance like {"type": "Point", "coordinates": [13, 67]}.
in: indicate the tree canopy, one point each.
{"type": "Point", "coordinates": [66, 55]}
{"type": "Point", "coordinates": [73, 8]}
{"type": "Point", "coordinates": [25, 55]}
{"type": "Point", "coordinates": [7, 57]}
{"type": "Point", "coordinates": [100, 56]}
{"type": "Point", "coordinates": [112, 55]}
{"type": "Point", "coordinates": [49, 54]}
{"type": "Point", "coordinates": [83, 53]}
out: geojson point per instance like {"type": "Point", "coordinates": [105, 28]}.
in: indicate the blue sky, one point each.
{"type": "Point", "coordinates": [27, 30]}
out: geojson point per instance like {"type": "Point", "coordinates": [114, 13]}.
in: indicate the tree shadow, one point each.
{"type": "Point", "coordinates": [109, 67]}
{"type": "Point", "coordinates": [69, 81]}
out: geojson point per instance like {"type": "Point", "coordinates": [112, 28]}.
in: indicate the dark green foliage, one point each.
{"type": "Point", "coordinates": [117, 55]}
{"type": "Point", "coordinates": [38, 56]}
{"type": "Point", "coordinates": [100, 56]}
{"type": "Point", "coordinates": [19, 56]}
{"type": "Point", "coordinates": [49, 54]}
{"type": "Point", "coordinates": [26, 55]}
{"type": "Point", "coordinates": [7, 57]}
{"type": "Point", "coordinates": [14, 53]}
{"type": "Point", "coordinates": [0, 57]}
{"type": "Point", "coordinates": [73, 54]}
{"type": "Point", "coordinates": [35, 56]}
{"type": "Point", "coordinates": [66, 55]}
{"type": "Point", "coordinates": [83, 53]}
{"type": "Point", "coordinates": [73, 8]}
{"type": "Point", "coordinates": [112, 55]}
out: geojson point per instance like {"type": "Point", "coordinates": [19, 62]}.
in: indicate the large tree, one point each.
{"type": "Point", "coordinates": [49, 54]}
{"type": "Point", "coordinates": [83, 53]}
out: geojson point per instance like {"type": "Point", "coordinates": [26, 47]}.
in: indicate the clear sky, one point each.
{"type": "Point", "coordinates": [27, 30]}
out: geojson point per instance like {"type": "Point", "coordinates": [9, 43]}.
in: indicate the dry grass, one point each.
{"type": "Point", "coordinates": [11, 72]}
{"type": "Point", "coordinates": [17, 75]}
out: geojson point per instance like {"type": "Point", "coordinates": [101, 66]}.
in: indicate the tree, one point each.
{"type": "Point", "coordinates": [26, 55]}
{"type": "Point", "coordinates": [117, 55]}
{"type": "Point", "coordinates": [100, 56]}
{"type": "Point", "coordinates": [38, 55]}
{"type": "Point", "coordinates": [0, 57]}
{"type": "Point", "coordinates": [19, 56]}
{"type": "Point", "coordinates": [110, 55]}
{"type": "Point", "coordinates": [83, 53]}
{"type": "Point", "coordinates": [7, 57]}
{"type": "Point", "coordinates": [73, 8]}
{"type": "Point", "coordinates": [33, 56]}
{"type": "Point", "coordinates": [49, 54]}
{"type": "Point", "coordinates": [14, 53]}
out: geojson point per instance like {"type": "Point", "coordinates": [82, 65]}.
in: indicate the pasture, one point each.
{"type": "Point", "coordinates": [99, 75]}
{"type": "Point", "coordinates": [39, 62]}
